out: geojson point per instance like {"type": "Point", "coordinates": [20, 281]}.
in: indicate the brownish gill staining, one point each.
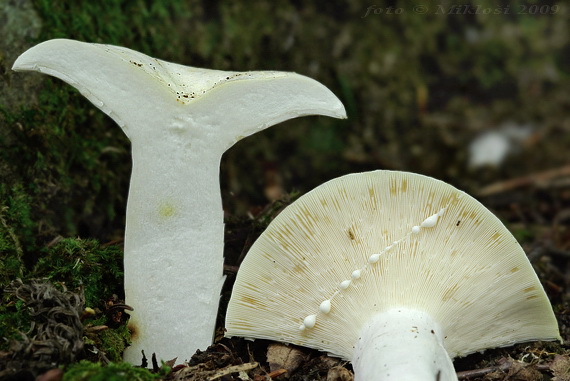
{"type": "Point", "coordinates": [351, 234]}
{"type": "Point", "coordinates": [136, 63]}
{"type": "Point", "coordinates": [393, 189]}
{"type": "Point", "coordinates": [344, 193]}
{"type": "Point", "coordinates": [515, 269]}
{"type": "Point", "coordinates": [281, 240]}
{"type": "Point", "coordinates": [449, 293]}
{"type": "Point", "coordinates": [495, 236]}
{"type": "Point", "coordinates": [396, 188]}
{"type": "Point", "coordinates": [298, 269]}
{"type": "Point", "coordinates": [372, 201]}
{"type": "Point", "coordinates": [250, 301]}
{"type": "Point", "coordinates": [529, 289]}
{"type": "Point", "coordinates": [307, 218]}
{"type": "Point", "coordinates": [336, 204]}
{"type": "Point", "coordinates": [530, 297]}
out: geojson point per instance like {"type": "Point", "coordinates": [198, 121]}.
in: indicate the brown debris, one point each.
{"type": "Point", "coordinates": [51, 375]}
{"type": "Point", "coordinates": [56, 333]}
{"type": "Point", "coordinates": [288, 357]}
{"type": "Point", "coordinates": [560, 368]}
{"type": "Point", "coordinates": [203, 372]}
{"type": "Point", "coordinates": [339, 373]}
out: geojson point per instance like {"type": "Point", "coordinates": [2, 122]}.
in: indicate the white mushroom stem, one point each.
{"type": "Point", "coordinates": [180, 121]}
{"type": "Point", "coordinates": [402, 344]}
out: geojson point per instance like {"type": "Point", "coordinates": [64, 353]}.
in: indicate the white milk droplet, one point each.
{"type": "Point", "coordinates": [344, 284]}
{"type": "Point", "coordinates": [325, 306]}
{"type": "Point", "coordinates": [416, 229]}
{"type": "Point", "coordinates": [310, 321]}
{"type": "Point", "coordinates": [355, 274]}
{"type": "Point", "coordinates": [374, 258]}
{"type": "Point", "coordinates": [430, 221]}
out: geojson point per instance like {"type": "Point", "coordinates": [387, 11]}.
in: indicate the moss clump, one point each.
{"type": "Point", "coordinates": [85, 263]}
{"type": "Point", "coordinates": [88, 371]}
{"type": "Point", "coordinates": [75, 263]}
{"type": "Point", "coordinates": [114, 342]}
{"type": "Point", "coordinates": [110, 343]}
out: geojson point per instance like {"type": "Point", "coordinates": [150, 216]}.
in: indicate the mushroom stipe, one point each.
{"type": "Point", "coordinates": [411, 289]}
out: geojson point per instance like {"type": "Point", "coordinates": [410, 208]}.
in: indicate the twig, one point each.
{"type": "Point", "coordinates": [503, 367]}
{"type": "Point", "coordinates": [277, 373]}
{"type": "Point", "coordinates": [233, 369]}
{"type": "Point", "coordinates": [540, 178]}
{"type": "Point", "coordinates": [482, 371]}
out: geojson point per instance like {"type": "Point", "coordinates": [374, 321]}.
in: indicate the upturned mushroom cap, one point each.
{"type": "Point", "coordinates": [363, 244]}
{"type": "Point", "coordinates": [136, 90]}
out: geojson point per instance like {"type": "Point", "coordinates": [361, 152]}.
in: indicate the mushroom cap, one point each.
{"type": "Point", "coordinates": [138, 92]}
{"type": "Point", "coordinates": [399, 240]}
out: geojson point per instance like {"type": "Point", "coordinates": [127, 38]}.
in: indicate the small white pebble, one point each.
{"type": "Point", "coordinates": [355, 274]}
{"type": "Point", "coordinates": [344, 284]}
{"type": "Point", "coordinates": [374, 258]}
{"type": "Point", "coordinates": [325, 306]}
{"type": "Point", "coordinates": [430, 221]}
{"type": "Point", "coordinates": [416, 229]}
{"type": "Point", "coordinates": [310, 321]}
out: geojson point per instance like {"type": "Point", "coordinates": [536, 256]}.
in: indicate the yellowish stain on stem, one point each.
{"type": "Point", "coordinates": [166, 210]}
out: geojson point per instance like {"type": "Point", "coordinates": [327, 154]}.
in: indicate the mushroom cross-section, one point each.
{"type": "Point", "coordinates": [180, 120]}
{"type": "Point", "coordinates": [396, 272]}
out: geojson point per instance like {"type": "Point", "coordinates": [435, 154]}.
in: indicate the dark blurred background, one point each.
{"type": "Point", "coordinates": [470, 92]}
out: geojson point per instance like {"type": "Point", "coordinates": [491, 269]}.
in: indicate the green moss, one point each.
{"type": "Point", "coordinates": [14, 319]}
{"type": "Point", "coordinates": [16, 232]}
{"type": "Point", "coordinates": [111, 342]}
{"type": "Point", "coordinates": [114, 341]}
{"type": "Point", "coordinates": [88, 371]}
{"type": "Point", "coordinates": [83, 263]}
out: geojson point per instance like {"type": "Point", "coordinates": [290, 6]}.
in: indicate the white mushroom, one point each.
{"type": "Point", "coordinates": [433, 275]}
{"type": "Point", "coordinates": [180, 120]}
